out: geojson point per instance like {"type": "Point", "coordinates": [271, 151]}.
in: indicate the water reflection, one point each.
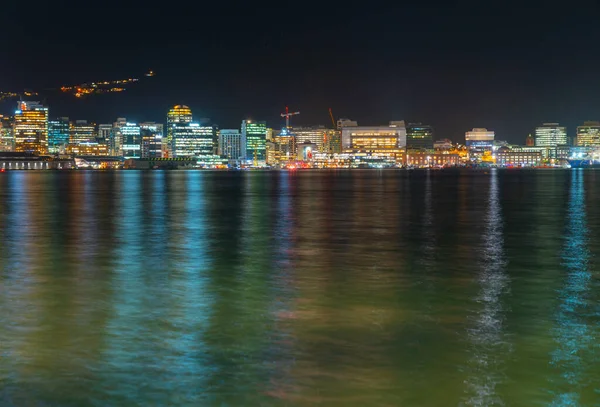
{"type": "Point", "coordinates": [488, 340]}
{"type": "Point", "coordinates": [575, 339]}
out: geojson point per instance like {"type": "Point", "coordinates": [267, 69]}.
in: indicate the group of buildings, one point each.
{"type": "Point", "coordinates": [200, 143]}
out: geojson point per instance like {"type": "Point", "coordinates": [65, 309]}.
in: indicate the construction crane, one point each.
{"type": "Point", "coordinates": [332, 119]}
{"type": "Point", "coordinates": [287, 116]}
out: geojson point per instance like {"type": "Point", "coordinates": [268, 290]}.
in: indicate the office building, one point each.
{"type": "Point", "coordinates": [341, 123]}
{"type": "Point", "coordinates": [116, 138]}
{"type": "Point", "coordinates": [151, 136]}
{"type": "Point", "coordinates": [332, 142]}
{"type": "Point", "coordinates": [91, 149]}
{"type": "Point", "coordinates": [315, 135]}
{"type": "Point", "coordinates": [30, 127]}
{"type": "Point", "coordinates": [191, 139]}
{"type": "Point", "coordinates": [383, 143]}
{"type": "Point", "coordinates": [179, 115]}
{"type": "Point", "coordinates": [230, 144]}
{"type": "Point", "coordinates": [419, 137]}
{"type": "Point", "coordinates": [131, 137]}
{"type": "Point", "coordinates": [506, 157]}
{"type": "Point", "coordinates": [104, 133]}
{"type": "Point", "coordinates": [254, 139]}
{"type": "Point", "coordinates": [7, 139]}
{"type": "Point", "coordinates": [82, 132]}
{"type": "Point", "coordinates": [426, 159]}
{"type": "Point", "coordinates": [550, 135]}
{"type": "Point", "coordinates": [479, 142]}
{"type": "Point", "coordinates": [588, 134]}
{"type": "Point", "coordinates": [58, 134]}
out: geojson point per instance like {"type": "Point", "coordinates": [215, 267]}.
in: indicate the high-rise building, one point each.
{"type": "Point", "coordinates": [419, 136]}
{"type": "Point", "coordinates": [254, 139]}
{"type": "Point", "coordinates": [315, 135]}
{"type": "Point", "coordinates": [332, 141]}
{"type": "Point", "coordinates": [479, 141]}
{"type": "Point", "coordinates": [132, 140]}
{"type": "Point", "coordinates": [116, 138]}
{"type": "Point", "coordinates": [30, 127]}
{"type": "Point", "coordinates": [82, 132]}
{"type": "Point", "coordinates": [179, 114]}
{"type": "Point", "coordinates": [104, 133]}
{"type": "Point", "coordinates": [152, 135]}
{"type": "Point", "coordinates": [7, 139]}
{"type": "Point", "coordinates": [588, 134]}
{"type": "Point", "coordinates": [550, 135]}
{"type": "Point", "coordinates": [58, 134]}
{"type": "Point", "coordinates": [384, 143]}
{"type": "Point", "coordinates": [192, 139]}
{"type": "Point", "coordinates": [230, 143]}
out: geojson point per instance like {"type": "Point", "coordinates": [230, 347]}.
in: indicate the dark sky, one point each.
{"type": "Point", "coordinates": [457, 66]}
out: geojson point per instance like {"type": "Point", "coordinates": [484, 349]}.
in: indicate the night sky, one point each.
{"type": "Point", "coordinates": [462, 65]}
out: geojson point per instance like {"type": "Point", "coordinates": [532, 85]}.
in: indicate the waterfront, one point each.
{"type": "Point", "coordinates": [347, 288]}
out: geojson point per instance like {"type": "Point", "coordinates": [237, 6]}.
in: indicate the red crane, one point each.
{"type": "Point", "coordinates": [287, 116]}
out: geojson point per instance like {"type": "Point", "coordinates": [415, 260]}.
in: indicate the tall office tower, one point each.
{"type": "Point", "coordinates": [58, 134]}
{"type": "Point", "coordinates": [254, 139]}
{"type": "Point", "coordinates": [230, 143]}
{"type": "Point", "coordinates": [419, 136]}
{"type": "Point", "coordinates": [7, 139]}
{"type": "Point", "coordinates": [479, 141]}
{"type": "Point", "coordinates": [152, 135]}
{"type": "Point", "coordinates": [132, 140]}
{"type": "Point", "coordinates": [104, 133]}
{"type": "Point", "coordinates": [588, 134]}
{"type": "Point", "coordinates": [116, 138]}
{"type": "Point", "coordinates": [30, 127]}
{"type": "Point", "coordinates": [178, 115]}
{"type": "Point", "coordinates": [550, 135]}
{"type": "Point", "coordinates": [192, 139]}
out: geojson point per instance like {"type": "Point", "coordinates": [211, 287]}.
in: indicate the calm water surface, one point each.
{"type": "Point", "coordinates": [300, 289]}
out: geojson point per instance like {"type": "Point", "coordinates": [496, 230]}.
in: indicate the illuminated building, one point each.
{"type": "Point", "coordinates": [378, 143]}
{"type": "Point", "coordinates": [332, 143]}
{"type": "Point", "coordinates": [230, 144]}
{"type": "Point", "coordinates": [88, 149]}
{"type": "Point", "coordinates": [306, 150]}
{"type": "Point", "coordinates": [281, 148]}
{"type": "Point", "coordinates": [179, 115]}
{"type": "Point", "coordinates": [131, 136]}
{"type": "Point", "coordinates": [419, 136]}
{"type": "Point", "coordinates": [151, 136]}
{"type": "Point", "coordinates": [530, 141]}
{"type": "Point", "coordinates": [588, 134]}
{"type": "Point", "coordinates": [192, 139]}
{"type": "Point", "coordinates": [7, 140]}
{"type": "Point", "coordinates": [82, 132]}
{"type": "Point", "coordinates": [442, 145]}
{"type": "Point", "coordinates": [116, 138]}
{"type": "Point", "coordinates": [104, 133]}
{"type": "Point", "coordinates": [506, 157]}
{"type": "Point", "coordinates": [58, 134]}
{"type": "Point", "coordinates": [428, 159]}
{"type": "Point", "coordinates": [314, 135]}
{"type": "Point", "coordinates": [30, 127]}
{"type": "Point", "coordinates": [479, 142]}
{"type": "Point", "coordinates": [254, 139]}
{"type": "Point", "coordinates": [550, 135]}
{"type": "Point", "coordinates": [547, 153]}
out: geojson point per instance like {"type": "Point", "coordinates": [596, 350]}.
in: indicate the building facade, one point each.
{"type": "Point", "coordinates": [104, 133]}
{"type": "Point", "coordinates": [30, 127]}
{"type": "Point", "coordinates": [191, 139]}
{"type": "Point", "coordinates": [7, 139]}
{"type": "Point", "coordinates": [427, 159]}
{"type": "Point", "coordinates": [550, 135]}
{"type": "Point", "coordinates": [419, 136]}
{"type": "Point", "coordinates": [152, 139]}
{"type": "Point", "coordinates": [131, 135]}
{"type": "Point", "coordinates": [254, 142]}
{"type": "Point", "coordinates": [382, 143]}
{"type": "Point", "coordinates": [588, 134]}
{"type": "Point", "coordinates": [479, 141]}
{"type": "Point", "coordinates": [58, 134]}
{"type": "Point", "coordinates": [506, 157]}
{"type": "Point", "coordinates": [82, 132]}
{"type": "Point", "coordinates": [230, 144]}
{"type": "Point", "coordinates": [178, 116]}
